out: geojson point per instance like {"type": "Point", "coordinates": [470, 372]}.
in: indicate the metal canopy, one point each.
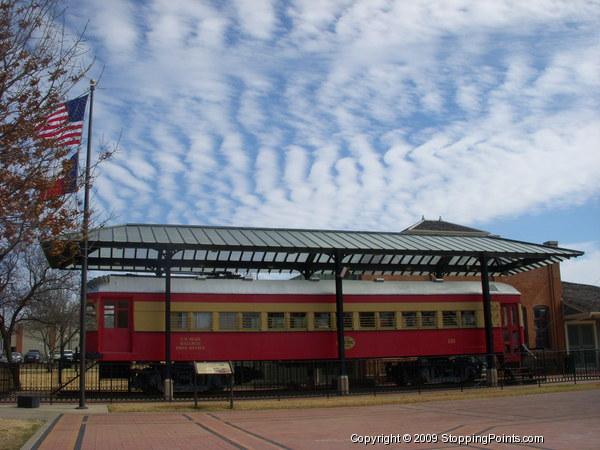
{"type": "Point", "coordinates": [206, 249]}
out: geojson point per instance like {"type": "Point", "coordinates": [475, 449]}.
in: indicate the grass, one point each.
{"type": "Point", "coordinates": [14, 433]}
{"type": "Point", "coordinates": [351, 400]}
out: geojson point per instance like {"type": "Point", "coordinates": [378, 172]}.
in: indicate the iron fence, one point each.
{"type": "Point", "coordinates": [53, 382]}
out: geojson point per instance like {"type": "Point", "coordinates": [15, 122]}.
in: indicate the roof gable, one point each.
{"type": "Point", "coordinates": [441, 226]}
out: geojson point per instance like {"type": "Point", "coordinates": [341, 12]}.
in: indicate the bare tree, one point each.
{"type": "Point", "coordinates": [39, 64]}
{"type": "Point", "coordinates": [55, 320]}
{"type": "Point", "coordinates": [27, 283]}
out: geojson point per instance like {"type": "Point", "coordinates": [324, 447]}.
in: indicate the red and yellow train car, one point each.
{"type": "Point", "coordinates": [241, 320]}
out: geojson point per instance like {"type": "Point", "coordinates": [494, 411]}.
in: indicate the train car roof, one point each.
{"type": "Point", "coordinates": [132, 284]}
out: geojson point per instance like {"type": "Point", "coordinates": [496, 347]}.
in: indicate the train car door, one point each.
{"type": "Point", "coordinates": [117, 325]}
{"type": "Point", "coordinates": [511, 331]}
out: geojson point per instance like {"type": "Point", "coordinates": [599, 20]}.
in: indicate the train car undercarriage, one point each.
{"type": "Point", "coordinates": [150, 378]}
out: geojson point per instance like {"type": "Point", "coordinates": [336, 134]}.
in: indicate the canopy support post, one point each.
{"type": "Point", "coordinates": [168, 382]}
{"type": "Point", "coordinates": [492, 371]}
{"type": "Point", "coordinates": [343, 387]}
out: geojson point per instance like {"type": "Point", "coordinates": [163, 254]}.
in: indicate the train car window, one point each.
{"type": "Point", "coordinates": [228, 321]}
{"type": "Point", "coordinates": [179, 320]}
{"type": "Point", "coordinates": [366, 319]}
{"type": "Point", "coordinates": [467, 318]}
{"type": "Point", "coordinates": [515, 339]}
{"type": "Point", "coordinates": [109, 315]}
{"type": "Point", "coordinates": [251, 320]}
{"type": "Point", "coordinates": [275, 320]}
{"type": "Point", "coordinates": [409, 319]}
{"type": "Point", "coordinates": [203, 320]}
{"type": "Point", "coordinates": [450, 318]}
{"type": "Point", "coordinates": [91, 323]}
{"type": "Point", "coordinates": [387, 319]}
{"type": "Point", "coordinates": [122, 315]}
{"type": "Point", "coordinates": [322, 320]}
{"type": "Point", "coordinates": [429, 319]}
{"type": "Point", "coordinates": [298, 320]}
{"type": "Point", "coordinates": [348, 319]}
{"type": "Point", "coordinates": [116, 314]}
{"type": "Point", "coordinates": [506, 342]}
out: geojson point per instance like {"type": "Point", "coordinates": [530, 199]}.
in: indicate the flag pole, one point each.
{"type": "Point", "coordinates": [84, 255]}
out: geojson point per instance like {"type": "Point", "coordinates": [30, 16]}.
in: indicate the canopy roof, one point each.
{"type": "Point", "coordinates": [209, 249]}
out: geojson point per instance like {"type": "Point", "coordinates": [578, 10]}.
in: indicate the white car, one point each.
{"type": "Point", "coordinates": [68, 355]}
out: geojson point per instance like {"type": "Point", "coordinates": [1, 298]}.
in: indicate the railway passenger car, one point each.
{"type": "Point", "coordinates": [238, 319]}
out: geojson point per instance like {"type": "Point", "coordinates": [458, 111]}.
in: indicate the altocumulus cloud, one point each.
{"type": "Point", "coordinates": [345, 114]}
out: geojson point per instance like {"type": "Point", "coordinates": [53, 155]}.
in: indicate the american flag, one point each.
{"type": "Point", "coordinates": [65, 124]}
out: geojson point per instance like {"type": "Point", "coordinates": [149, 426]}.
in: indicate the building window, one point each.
{"type": "Point", "coordinates": [525, 325]}
{"type": "Point", "coordinates": [541, 322]}
{"type": "Point", "coordinates": [581, 337]}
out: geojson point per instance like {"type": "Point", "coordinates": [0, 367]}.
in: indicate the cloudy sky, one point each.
{"type": "Point", "coordinates": [351, 114]}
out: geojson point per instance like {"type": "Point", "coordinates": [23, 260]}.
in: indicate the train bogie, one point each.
{"type": "Point", "coordinates": [418, 371]}
{"type": "Point", "coordinates": [151, 379]}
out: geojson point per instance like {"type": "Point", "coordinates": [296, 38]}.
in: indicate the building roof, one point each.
{"type": "Point", "coordinates": [441, 226]}
{"type": "Point", "coordinates": [202, 249]}
{"type": "Point", "coordinates": [582, 297]}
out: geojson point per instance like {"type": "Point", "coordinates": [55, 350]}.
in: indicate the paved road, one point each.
{"type": "Point", "coordinates": [565, 420]}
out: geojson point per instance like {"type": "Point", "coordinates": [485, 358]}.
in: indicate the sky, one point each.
{"type": "Point", "coordinates": [350, 115]}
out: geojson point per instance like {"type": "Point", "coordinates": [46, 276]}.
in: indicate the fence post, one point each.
{"type": "Point", "coordinates": [51, 382]}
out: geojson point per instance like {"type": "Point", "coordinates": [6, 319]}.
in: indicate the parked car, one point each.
{"type": "Point", "coordinates": [33, 356]}
{"type": "Point", "coordinates": [16, 358]}
{"type": "Point", "coordinates": [68, 355]}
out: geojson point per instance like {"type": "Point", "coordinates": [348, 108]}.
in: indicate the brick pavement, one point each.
{"type": "Point", "coordinates": [565, 420]}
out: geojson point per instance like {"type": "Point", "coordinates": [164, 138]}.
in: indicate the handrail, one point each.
{"type": "Point", "coordinates": [76, 377]}
{"type": "Point", "coordinates": [528, 351]}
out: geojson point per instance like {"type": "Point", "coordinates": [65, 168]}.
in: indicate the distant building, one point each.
{"type": "Point", "coordinates": [22, 341]}
{"type": "Point", "coordinates": [581, 311]}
